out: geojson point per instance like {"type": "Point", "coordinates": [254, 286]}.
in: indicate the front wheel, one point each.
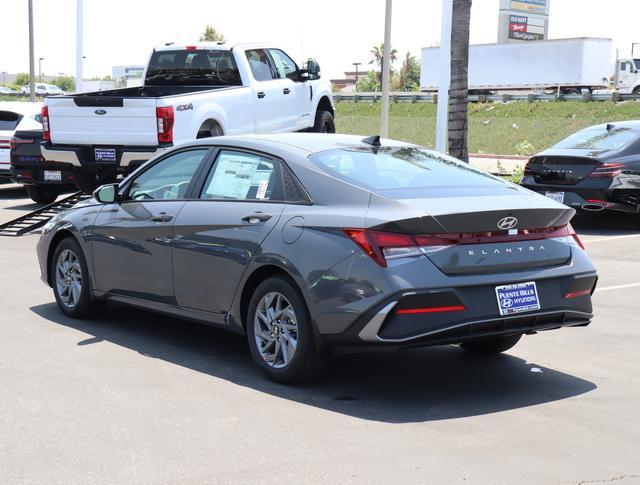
{"type": "Point", "coordinates": [491, 345]}
{"type": "Point", "coordinates": [43, 194]}
{"type": "Point", "coordinates": [280, 334]}
{"type": "Point", "coordinates": [324, 122]}
{"type": "Point", "coordinates": [70, 279]}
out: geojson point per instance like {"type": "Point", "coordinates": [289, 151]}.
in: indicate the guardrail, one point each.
{"type": "Point", "coordinates": [415, 97]}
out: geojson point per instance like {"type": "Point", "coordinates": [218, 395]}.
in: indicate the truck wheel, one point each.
{"type": "Point", "coordinates": [636, 90]}
{"type": "Point", "coordinates": [42, 194]}
{"type": "Point", "coordinates": [324, 122]}
{"type": "Point", "coordinates": [209, 130]}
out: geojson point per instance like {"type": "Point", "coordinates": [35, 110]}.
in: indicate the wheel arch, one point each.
{"type": "Point", "coordinates": [208, 123]}
{"type": "Point", "coordinates": [325, 105]}
{"type": "Point", "coordinates": [55, 240]}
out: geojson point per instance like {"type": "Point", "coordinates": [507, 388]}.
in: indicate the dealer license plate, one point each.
{"type": "Point", "coordinates": [105, 154]}
{"type": "Point", "coordinates": [517, 298]}
{"type": "Point", "coordinates": [53, 175]}
{"type": "Point", "coordinates": [557, 196]}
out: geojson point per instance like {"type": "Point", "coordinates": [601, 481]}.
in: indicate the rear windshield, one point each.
{"type": "Point", "coordinates": [398, 168]}
{"type": "Point", "coordinates": [9, 120]}
{"type": "Point", "coordinates": [599, 139]}
{"type": "Point", "coordinates": [192, 68]}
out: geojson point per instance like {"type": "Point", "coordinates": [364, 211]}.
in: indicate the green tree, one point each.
{"type": "Point", "coordinates": [409, 75]}
{"type": "Point", "coordinates": [369, 82]}
{"type": "Point", "coordinates": [211, 35]}
{"type": "Point", "coordinates": [377, 57]}
{"type": "Point", "coordinates": [22, 78]}
{"type": "Point", "coordinates": [459, 86]}
{"type": "Point", "coordinates": [66, 83]}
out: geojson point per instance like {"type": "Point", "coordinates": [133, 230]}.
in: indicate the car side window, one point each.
{"type": "Point", "coordinates": [243, 176]}
{"type": "Point", "coordinates": [169, 178]}
{"type": "Point", "coordinates": [285, 66]}
{"type": "Point", "coordinates": [259, 64]}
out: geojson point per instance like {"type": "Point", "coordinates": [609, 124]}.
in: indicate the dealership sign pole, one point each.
{"type": "Point", "coordinates": [386, 72]}
{"type": "Point", "coordinates": [442, 120]}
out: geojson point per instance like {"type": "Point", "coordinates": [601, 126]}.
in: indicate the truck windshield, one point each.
{"type": "Point", "coordinates": [192, 68]}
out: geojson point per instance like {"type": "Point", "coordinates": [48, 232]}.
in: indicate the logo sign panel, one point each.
{"type": "Point", "coordinates": [531, 6]}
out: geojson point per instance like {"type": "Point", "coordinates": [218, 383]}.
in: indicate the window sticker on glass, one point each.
{"type": "Point", "coordinates": [239, 176]}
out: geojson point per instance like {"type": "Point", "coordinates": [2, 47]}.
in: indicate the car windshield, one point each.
{"type": "Point", "coordinates": [192, 68]}
{"type": "Point", "coordinates": [613, 138]}
{"type": "Point", "coordinates": [9, 120]}
{"type": "Point", "coordinates": [391, 168]}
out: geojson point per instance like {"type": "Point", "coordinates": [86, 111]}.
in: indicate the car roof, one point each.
{"type": "Point", "coordinates": [316, 142]}
{"type": "Point", "coordinates": [22, 107]}
{"type": "Point", "coordinates": [215, 45]}
{"type": "Point", "coordinates": [630, 124]}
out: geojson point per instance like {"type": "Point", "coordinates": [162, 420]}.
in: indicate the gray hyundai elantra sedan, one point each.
{"type": "Point", "coordinates": [308, 243]}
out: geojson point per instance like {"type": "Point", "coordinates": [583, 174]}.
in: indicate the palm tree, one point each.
{"type": "Point", "coordinates": [211, 35]}
{"type": "Point", "coordinates": [459, 87]}
{"type": "Point", "coordinates": [377, 53]}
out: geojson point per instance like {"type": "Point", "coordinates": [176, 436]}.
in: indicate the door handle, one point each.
{"type": "Point", "coordinates": [256, 217]}
{"type": "Point", "coordinates": [286, 90]}
{"type": "Point", "coordinates": [162, 217]}
{"type": "Point", "coordinates": [261, 94]}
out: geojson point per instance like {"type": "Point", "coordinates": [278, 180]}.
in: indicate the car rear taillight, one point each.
{"type": "Point", "coordinates": [15, 142]}
{"type": "Point", "coordinates": [46, 128]}
{"type": "Point", "coordinates": [527, 169]}
{"type": "Point", "coordinates": [605, 170]}
{"type": "Point", "coordinates": [164, 117]}
{"type": "Point", "coordinates": [385, 246]}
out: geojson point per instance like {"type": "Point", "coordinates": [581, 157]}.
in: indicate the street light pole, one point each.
{"type": "Point", "coordinates": [386, 71]}
{"type": "Point", "coordinates": [442, 119]}
{"type": "Point", "coordinates": [32, 67]}
{"type": "Point", "coordinates": [79, 50]}
{"type": "Point", "coordinates": [356, 64]}
{"type": "Point", "coordinates": [40, 68]}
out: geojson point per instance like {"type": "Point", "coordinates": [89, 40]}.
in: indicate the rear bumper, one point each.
{"type": "Point", "coordinates": [84, 156]}
{"type": "Point", "coordinates": [34, 173]}
{"type": "Point", "coordinates": [478, 318]}
{"type": "Point", "coordinates": [619, 194]}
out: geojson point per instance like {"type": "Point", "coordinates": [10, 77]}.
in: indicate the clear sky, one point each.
{"type": "Point", "coordinates": [336, 33]}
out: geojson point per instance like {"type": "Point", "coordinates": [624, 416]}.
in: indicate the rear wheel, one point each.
{"type": "Point", "coordinates": [70, 280]}
{"type": "Point", "coordinates": [492, 345]}
{"type": "Point", "coordinates": [280, 334]}
{"type": "Point", "coordinates": [43, 194]}
{"type": "Point", "coordinates": [324, 122]}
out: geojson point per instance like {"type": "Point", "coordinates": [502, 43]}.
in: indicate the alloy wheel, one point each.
{"type": "Point", "coordinates": [276, 330]}
{"type": "Point", "coordinates": [68, 278]}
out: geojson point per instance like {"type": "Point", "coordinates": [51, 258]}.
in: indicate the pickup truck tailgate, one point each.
{"type": "Point", "coordinates": [107, 121]}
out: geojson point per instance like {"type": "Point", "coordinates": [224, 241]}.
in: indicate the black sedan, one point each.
{"type": "Point", "coordinates": [594, 169]}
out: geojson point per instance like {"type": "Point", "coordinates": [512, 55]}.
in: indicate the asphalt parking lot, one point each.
{"type": "Point", "coordinates": [135, 397]}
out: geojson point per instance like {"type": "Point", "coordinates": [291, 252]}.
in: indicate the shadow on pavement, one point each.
{"type": "Point", "coordinates": [410, 386]}
{"type": "Point", "coordinates": [12, 191]}
{"type": "Point", "coordinates": [606, 224]}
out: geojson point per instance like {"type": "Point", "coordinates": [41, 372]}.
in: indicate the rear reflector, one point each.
{"type": "Point", "coordinates": [384, 246]}
{"type": "Point", "coordinates": [575, 294]}
{"type": "Point", "coordinates": [434, 309]}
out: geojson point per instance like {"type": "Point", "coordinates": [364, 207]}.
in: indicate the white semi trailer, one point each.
{"type": "Point", "coordinates": [571, 65]}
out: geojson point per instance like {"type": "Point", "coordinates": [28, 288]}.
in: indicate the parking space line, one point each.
{"type": "Point", "coordinates": [618, 287]}
{"type": "Point", "coordinates": [609, 238]}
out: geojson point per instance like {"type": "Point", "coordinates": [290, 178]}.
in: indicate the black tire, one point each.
{"type": "Point", "coordinates": [43, 194]}
{"type": "Point", "coordinates": [324, 122]}
{"type": "Point", "coordinates": [491, 345]}
{"type": "Point", "coordinates": [85, 305]}
{"type": "Point", "coordinates": [306, 362]}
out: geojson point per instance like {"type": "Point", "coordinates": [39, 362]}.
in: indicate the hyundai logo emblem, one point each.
{"type": "Point", "coordinates": [507, 223]}
{"type": "Point", "coordinates": [100, 112]}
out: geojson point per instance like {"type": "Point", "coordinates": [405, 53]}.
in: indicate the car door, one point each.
{"type": "Point", "coordinates": [625, 76]}
{"type": "Point", "coordinates": [296, 106]}
{"type": "Point", "coordinates": [132, 239]}
{"type": "Point", "coordinates": [268, 92]}
{"type": "Point", "coordinates": [218, 235]}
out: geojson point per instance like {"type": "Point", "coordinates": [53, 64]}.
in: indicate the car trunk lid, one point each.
{"type": "Point", "coordinates": [563, 167]}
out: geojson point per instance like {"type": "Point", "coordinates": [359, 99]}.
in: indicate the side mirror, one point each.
{"type": "Point", "coordinates": [106, 194]}
{"type": "Point", "coordinates": [313, 69]}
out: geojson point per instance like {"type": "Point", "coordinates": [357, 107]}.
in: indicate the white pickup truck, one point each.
{"type": "Point", "coordinates": [189, 91]}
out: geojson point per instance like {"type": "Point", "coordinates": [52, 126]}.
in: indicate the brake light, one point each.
{"type": "Point", "coordinates": [575, 294]}
{"type": "Point", "coordinates": [605, 170]}
{"type": "Point", "coordinates": [191, 47]}
{"type": "Point", "coordinates": [527, 169]}
{"type": "Point", "coordinates": [164, 117]}
{"type": "Point", "coordinates": [14, 142]}
{"type": "Point", "coordinates": [384, 246]}
{"type": "Point", "coordinates": [46, 129]}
